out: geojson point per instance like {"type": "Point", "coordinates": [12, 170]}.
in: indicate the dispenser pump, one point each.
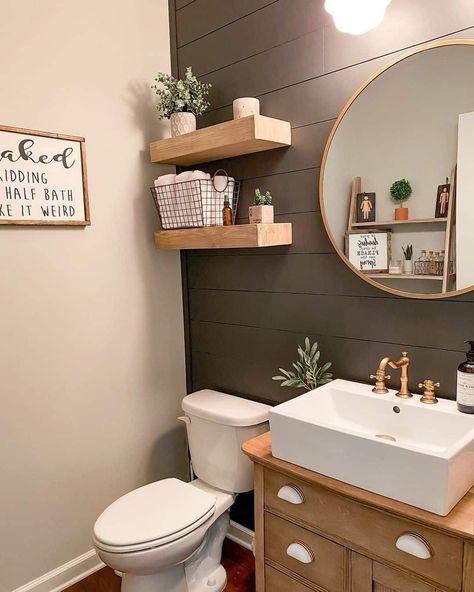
{"type": "Point", "coordinates": [465, 385]}
{"type": "Point", "coordinates": [470, 353]}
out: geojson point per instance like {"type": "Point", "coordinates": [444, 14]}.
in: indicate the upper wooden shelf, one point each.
{"type": "Point", "coordinates": [254, 133]}
{"type": "Point", "coordinates": [225, 237]}
{"type": "Point", "coordinates": [389, 223]}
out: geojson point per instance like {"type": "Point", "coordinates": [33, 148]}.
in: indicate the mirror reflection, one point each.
{"type": "Point", "coordinates": [397, 189]}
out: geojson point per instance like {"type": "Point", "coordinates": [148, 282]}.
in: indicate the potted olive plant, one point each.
{"type": "Point", "coordinates": [181, 101]}
{"type": "Point", "coordinates": [262, 210]}
{"type": "Point", "coordinates": [400, 192]}
{"type": "Point", "coordinates": [408, 259]}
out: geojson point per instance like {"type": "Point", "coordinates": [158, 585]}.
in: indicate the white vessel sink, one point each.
{"type": "Point", "coordinates": [340, 430]}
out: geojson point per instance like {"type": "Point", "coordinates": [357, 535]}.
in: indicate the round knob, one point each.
{"type": "Point", "coordinates": [291, 494]}
{"type": "Point", "coordinates": [301, 552]}
{"type": "Point", "coordinates": [415, 545]}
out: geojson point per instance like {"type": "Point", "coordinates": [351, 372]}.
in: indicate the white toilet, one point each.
{"type": "Point", "coordinates": [167, 536]}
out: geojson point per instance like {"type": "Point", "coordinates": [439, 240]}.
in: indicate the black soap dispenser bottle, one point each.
{"type": "Point", "coordinates": [465, 385]}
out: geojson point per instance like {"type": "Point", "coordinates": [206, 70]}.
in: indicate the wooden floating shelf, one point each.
{"type": "Point", "coordinates": [404, 276]}
{"type": "Point", "coordinates": [398, 223]}
{"type": "Point", "coordinates": [225, 237]}
{"type": "Point", "coordinates": [254, 133]}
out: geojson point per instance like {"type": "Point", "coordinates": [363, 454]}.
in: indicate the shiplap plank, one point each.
{"type": "Point", "coordinates": [301, 274]}
{"type": "Point", "coordinates": [202, 17]}
{"type": "Point", "coordinates": [293, 192]}
{"type": "Point", "coordinates": [401, 321]}
{"type": "Point", "coordinates": [218, 349]}
{"type": "Point", "coordinates": [182, 3]}
{"type": "Point", "coordinates": [274, 24]}
{"type": "Point", "coordinates": [267, 71]}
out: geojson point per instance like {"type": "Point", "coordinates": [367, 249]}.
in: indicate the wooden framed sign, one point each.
{"type": "Point", "coordinates": [43, 178]}
{"type": "Point", "coordinates": [369, 252]}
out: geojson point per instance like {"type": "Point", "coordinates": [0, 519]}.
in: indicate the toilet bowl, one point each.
{"type": "Point", "coordinates": [167, 536]}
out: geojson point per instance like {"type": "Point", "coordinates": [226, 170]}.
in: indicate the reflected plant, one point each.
{"type": "Point", "coordinates": [307, 374]}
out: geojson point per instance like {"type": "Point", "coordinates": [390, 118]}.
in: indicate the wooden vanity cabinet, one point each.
{"type": "Point", "coordinates": [313, 533]}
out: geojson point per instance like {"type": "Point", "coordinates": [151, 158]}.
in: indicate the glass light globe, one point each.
{"type": "Point", "coordinates": [357, 16]}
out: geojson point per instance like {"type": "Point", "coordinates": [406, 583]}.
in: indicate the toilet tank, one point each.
{"type": "Point", "coordinates": [217, 425]}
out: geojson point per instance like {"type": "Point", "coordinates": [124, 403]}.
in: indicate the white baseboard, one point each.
{"type": "Point", "coordinates": [241, 535]}
{"type": "Point", "coordinates": [65, 575]}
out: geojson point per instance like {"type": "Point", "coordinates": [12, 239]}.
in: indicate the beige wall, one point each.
{"type": "Point", "coordinates": [91, 348]}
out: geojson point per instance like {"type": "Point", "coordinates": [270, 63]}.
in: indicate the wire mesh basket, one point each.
{"type": "Point", "coordinates": [196, 203]}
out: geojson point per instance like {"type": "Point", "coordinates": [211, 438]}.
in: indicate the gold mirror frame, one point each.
{"type": "Point", "coordinates": [347, 106]}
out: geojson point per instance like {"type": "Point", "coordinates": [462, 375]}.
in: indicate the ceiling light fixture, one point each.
{"type": "Point", "coordinates": [357, 16]}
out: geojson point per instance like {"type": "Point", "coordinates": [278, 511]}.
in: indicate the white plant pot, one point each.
{"type": "Point", "coordinates": [261, 214]}
{"type": "Point", "coordinates": [408, 267]}
{"type": "Point", "coordinates": [245, 106]}
{"type": "Point", "coordinates": [182, 123]}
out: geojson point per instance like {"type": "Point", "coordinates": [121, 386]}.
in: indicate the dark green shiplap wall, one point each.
{"type": "Point", "coordinates": [247, 310]}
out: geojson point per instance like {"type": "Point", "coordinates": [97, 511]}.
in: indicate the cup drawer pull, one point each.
{"type": "Point", "coordinates": [415, 545]}
{"type": "Point", "coordinates": [291, 494]}
{"type": "Point", "coordinates": [300, 552]}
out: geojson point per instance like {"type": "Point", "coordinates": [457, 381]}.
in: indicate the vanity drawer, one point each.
{"type": "Point", "coordinates": [371, 530]}
{"type": "Point", "coordinates": [275, 581]}
{"type": "Point", "coordinates": [305, 553]}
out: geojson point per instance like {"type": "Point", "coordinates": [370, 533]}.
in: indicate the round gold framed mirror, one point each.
{"type": "Point", "coordinates": [397, 175]}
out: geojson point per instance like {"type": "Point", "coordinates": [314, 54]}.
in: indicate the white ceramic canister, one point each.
{"type": "Point", "coordinates": [245, 106]}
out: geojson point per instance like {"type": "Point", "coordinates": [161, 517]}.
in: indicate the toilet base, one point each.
{"type": "Point", "coordinates": [215, 582]}
{"type": "Point", "coordinates": [170, 580]}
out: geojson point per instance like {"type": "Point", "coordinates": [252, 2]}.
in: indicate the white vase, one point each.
{"type": "Point", "coordinates": [261, 214]}
{"type": "Point", "coordinates": [408, 266]}
{"type": "Point", "coordinates": [182, 123]}
{"type": "Point", "coordinates": [245, 106]}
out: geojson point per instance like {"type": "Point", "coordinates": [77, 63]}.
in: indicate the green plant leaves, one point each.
{"type": "Point", "coordinates": [306, 373]}
{"type": "Point", "coordinates": [176, 96]}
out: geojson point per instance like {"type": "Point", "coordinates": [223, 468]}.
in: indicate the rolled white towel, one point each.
{"type": "Point", "coordinates": [188, 199]}
{"type": "Point", "coordinates": [166, 197]}
{"type": "Point", "coordinates": [165, 180]}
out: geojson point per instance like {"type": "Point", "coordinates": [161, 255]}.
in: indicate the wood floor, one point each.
{"type": "Point", "coordinates": [238, 562]}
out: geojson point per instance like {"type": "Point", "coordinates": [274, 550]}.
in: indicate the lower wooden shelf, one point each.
{"type": "Point", "coordinates": [240, 236]}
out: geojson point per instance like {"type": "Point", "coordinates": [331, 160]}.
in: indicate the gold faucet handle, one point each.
{"type": "Point", "coordinates": [429, 394]}
{"type": "Point", "coordinates": [380, 377]}
{"type": "Point", "coordinates": [375, 377]}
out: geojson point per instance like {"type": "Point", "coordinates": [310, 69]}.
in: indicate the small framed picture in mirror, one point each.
{"type": "Point", "coordinates": [366, 207]}
{"type": "Point", "coordinates": [442, 200]}
{"type": "Point", "coordinates": [369, 252]}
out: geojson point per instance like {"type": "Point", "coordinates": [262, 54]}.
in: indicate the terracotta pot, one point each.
{"type": "Point", "coordinates": [182, 123]}
{"type": "Point", "coordinates": [401, 213]}
{"type": "Point", "coordinates": [261, 214]}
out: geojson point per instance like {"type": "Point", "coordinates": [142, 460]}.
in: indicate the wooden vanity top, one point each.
{"type": "Point", "coordinates": [460, 521]}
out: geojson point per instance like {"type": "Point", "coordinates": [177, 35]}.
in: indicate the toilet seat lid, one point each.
{"type": "Point", "coordinates": [157, 513]}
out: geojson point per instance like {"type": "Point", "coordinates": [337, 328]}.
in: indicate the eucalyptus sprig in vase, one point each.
{"type": "Point", "coordinates": [181, 101]}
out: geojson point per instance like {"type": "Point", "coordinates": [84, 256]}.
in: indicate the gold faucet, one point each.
{"type": "Point", "coordinates": [380, 376]}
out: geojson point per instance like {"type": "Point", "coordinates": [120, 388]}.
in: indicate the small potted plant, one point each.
{"type": "Point", "coordinates": [400, 192]}
{"type": "Point", "coordinates": [308, 374]}
{"type": "Point", "coordinates": [408, 259]}
{"type": "Point", "coordinates": [181, 101]}
{"type": "Point", "coordinates": [262, 211]}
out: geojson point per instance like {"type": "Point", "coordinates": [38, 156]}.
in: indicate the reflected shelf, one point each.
{"type": "Point", "coordinates": [389, 223]}
{"type": "Point", "coordinates": [404, 276]}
